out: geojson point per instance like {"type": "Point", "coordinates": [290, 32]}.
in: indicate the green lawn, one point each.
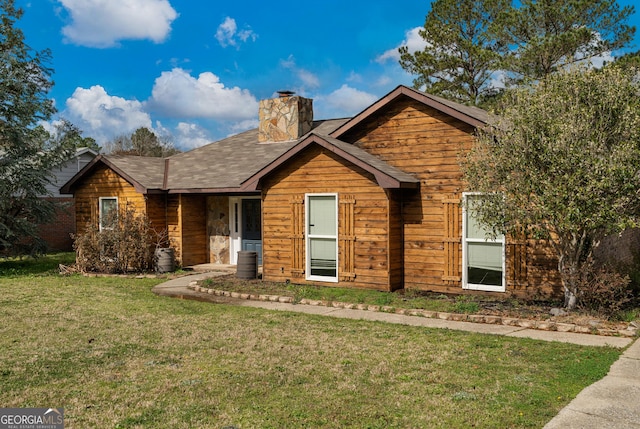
{"type": "Point", "coordinates": [116, 356]}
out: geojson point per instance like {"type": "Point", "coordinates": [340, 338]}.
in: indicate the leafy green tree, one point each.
{"type": "Point", "coordinates": [69, 135]}
{"type": "Point", "coordinates": [630, 60]}
{"type": "Point", "coordinates": [142, 142]}
{"type": "Point", "coordinates": [464, 48]}
{"type": "Point", "coordinates": [547, 35]}
{"type": "Point", "coordinates": [471, 44]}
{"type": "Point", "coordinates": [564, 156]}
{"type": "Point", "coordinates": [27, 153]}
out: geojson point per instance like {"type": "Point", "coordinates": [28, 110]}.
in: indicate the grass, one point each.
{"type": "Point", "coordinates": [415, 299]}
{"type": "Point", "coordinates": [399, 299]}
{"type": "Point", "coordinates": [116, 356]}
{"type": "Point", "coordinates": [405, 299]}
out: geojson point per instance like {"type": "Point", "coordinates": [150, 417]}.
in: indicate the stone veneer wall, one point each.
{"type": "Point", "coordinates": [284, 118]}
{"type": "Point", "coordinates": [218, 229]}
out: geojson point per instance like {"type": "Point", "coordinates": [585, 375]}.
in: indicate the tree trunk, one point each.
{"type": "Point", "coordinates": [570, 299]}
{"type": "Point", "coordinates": [570, 261]}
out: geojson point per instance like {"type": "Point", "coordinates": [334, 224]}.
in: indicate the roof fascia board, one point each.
{"type": "Point", "coordinates": [138, 187]}
{"type": "Point", "coordinates": [67, 187]}
{"type": "Point", "coordinates": [409, 92]}
{"type": "Point", "coordinates": [384, 180]}
{"type": "Point", "coordinates": [235, 191]}
{"type": "Point", "coordinates": [84, 150]}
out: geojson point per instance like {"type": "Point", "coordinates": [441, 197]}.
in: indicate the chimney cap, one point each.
{"type": "Point", "coordinates": [285, 93]}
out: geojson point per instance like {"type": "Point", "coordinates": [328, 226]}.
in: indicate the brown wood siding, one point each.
{"type": "Point", "coordinates": [193, 221]}
{"type": "Point", "coordinates": [346, 237]}
{"type": "Point", "coordinates": [174, 225]}
{"type": "Point", "coordinates": [317, 170]}
{"type": "Point", "coordinates": [427, 143]}
{"type": "Point", "coordinates": [104, 182]}
{"type": "Point", "coordinates": [452, 240]}
{"type": "Point", "coordinates": [157, 215]}
{"type": "Point", "coordinates": [543, 278]}
{"type": "Point", "coordinates": [396, 248]}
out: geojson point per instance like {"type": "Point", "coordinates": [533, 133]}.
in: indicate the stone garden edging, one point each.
{"type": "Point", "coordinates": [544, 325]}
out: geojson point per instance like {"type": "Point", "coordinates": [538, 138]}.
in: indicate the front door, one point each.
{"type": "Point", "coordinates": [252, 227]}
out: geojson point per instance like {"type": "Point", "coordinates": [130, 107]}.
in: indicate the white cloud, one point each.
{"type": "Point", "coordinates": [598, 61]}
{"type": "Point", "coordinates": [102, 116]}
{"type": "Point", "coordinates": [413, 41]}
{"type": "Point", "coordinates": [308, 79]}
{"type": "Point", "coordinates": [189, 136]}
{"type": "Point", "coordinates": [177, 93]}
{"type": "Point", "coordinates": [227, 33]}
{"type": "Point", "coordinates": [601, 60]}
{"type": "Point", "coordinates": [343, 102]}
{"type": "Point", "coordinates": [244, 125]}
{"type": "Point", "coordinates": [498, 79]}
{"type": "Point", "coordinates": [383, 81]}
{"type": "Point", "coordinates": [52, 126]}
{"type": "Point", "coordinates": [354, 77]}
{"type": "Point", "coordinates": [102, 23]}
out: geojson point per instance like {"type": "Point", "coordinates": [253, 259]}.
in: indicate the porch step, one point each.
{"type": "Point", "coordinates": [226, 268]}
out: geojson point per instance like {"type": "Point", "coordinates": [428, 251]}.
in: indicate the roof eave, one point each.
{"type": "Point", "coordinates": [383, 179]}
{"type": "Point", "coordinates": [68, 187]}
{"type": "Point", "coordinates": [412, 93]}
{"type": "Point", "coordinates": [228, 190]}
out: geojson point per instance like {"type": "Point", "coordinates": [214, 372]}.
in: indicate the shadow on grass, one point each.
{"type": "Point", "coordinates": [43, 265]}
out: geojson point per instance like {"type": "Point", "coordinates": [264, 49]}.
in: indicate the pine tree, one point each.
{"type": "Point", "coordinates": [464, 48]}
{"type": "Point", "coordinates": [27, 153]}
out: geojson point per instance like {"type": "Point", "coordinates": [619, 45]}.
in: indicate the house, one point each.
{"type": "Point", "coordinates": [57, 232]}
{"type": "Point", "coordinates": [373, 201]}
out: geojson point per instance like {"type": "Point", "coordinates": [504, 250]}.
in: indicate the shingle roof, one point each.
{"type": "Point", "coordinates": [144, 173]}
{"type": "Point", "coordinates": [373, 161]}
{"type": "Point", "coordinates": [148, 172]}
{"type": "Point", "coordinates": [222, 166]}
{"type": "Point", "coordinates": [386, 175]}
{"type": "Point", "coordinates": [233, 164]}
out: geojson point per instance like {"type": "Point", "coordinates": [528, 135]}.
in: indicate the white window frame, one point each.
{"type": "Point", "coordinates": [465, 252]}
{"type": "Point", "coordinates": [100, 216]}
{"type": "Point", "coordinates": [308, 237]}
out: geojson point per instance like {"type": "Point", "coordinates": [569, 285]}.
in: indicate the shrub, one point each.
{"type": "Point", "coordinates": [604, 291]}
{"type": "Point", "coordinates": [129, 246]}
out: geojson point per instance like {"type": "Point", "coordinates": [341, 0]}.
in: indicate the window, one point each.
{"type": "Point", "coordinates": [108, 207]}
{"type": "Point", "coordinates": [483, 258]}
{"type": "Point", "coordinates": [322, 237]}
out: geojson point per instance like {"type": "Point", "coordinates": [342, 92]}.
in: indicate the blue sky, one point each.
{"type": "Point", "coordinates": [195, 70]}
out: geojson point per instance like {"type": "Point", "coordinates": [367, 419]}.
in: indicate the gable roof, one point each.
{"type": "Point", "coordinates": [82, 150]}
{"type": "Point", "coordinates": [473, 116]}
{"type": "Point", "coordinates": [237, 163]}
{"type": "Point", "coordinates": [146, 174]}
{"type": "Point", "coordinates": [224, 165]}
{"type": "Point", "coordinates": [387, 176]}
{"type": "Point", "coordinates": [219, 167]}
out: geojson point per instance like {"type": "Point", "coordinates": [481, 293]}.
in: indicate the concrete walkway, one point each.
{"type": "Point", "coordinates": [613, 402]}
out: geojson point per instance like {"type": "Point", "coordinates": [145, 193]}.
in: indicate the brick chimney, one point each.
{"type": "Point", "coordinates": [285, 118]}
